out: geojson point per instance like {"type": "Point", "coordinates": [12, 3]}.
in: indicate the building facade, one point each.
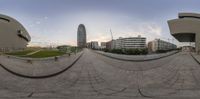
{"type": "Point", "coordinates": [103, 45]}
{"type": "Point", "coordinates": [188, 49]}
{"type": "Point", "coordinates": [186, 28]}
{"type": "Point", "coordinates": [131, 43]}
{"type": "Point", "coordinates": [13, 36]}
{"type": "Point", "coordinates": [93, 45]}
{"type": "Point", "coordinates": [88, 44]}
{"type": "Point", "coordinates": [111, 44]}
{"type": "Point", "coordinates": [160, 45]}
{"type": "Point", "coordinates": [81, 36]}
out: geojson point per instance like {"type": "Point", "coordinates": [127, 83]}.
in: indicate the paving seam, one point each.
{"type": "Point", "coordinates": [96, 90]}
{"type": "Point", "coordinates": [195, 58]}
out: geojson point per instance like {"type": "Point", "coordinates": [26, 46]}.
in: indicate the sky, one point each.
{"type": "Point", "coordinates": [55, 22]}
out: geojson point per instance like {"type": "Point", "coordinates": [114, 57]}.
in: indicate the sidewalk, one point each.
{"type": "Point", "coordinates": [32, 53]}
{"type": "Point", "coordinates": [196, 56]}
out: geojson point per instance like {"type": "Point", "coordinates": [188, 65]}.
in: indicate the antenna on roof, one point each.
{"type": "Point", "coordinates": [111, 34]}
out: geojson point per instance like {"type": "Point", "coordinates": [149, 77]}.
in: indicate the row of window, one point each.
{"type": "Point", "coordinates": [4, 19]}
{"type": "Point", "coordinates": [20, 34]}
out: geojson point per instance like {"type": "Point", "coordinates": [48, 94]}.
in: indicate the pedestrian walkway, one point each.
{"type": "Point", "coordinates": [95, 76]}
{"type": "Point", "coordinates": [32, 53]}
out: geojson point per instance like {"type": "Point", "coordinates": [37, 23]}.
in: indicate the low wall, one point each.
{"type": "Point", "coordinates": [38, 68]}
{"type": "Point", "coordinates": [137, 57]}
{"type": "Point", "coordinates": [196, 57]}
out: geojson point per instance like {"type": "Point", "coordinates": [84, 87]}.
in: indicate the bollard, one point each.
{"type": "Point", "coordinates": [29, 61]}
{"type": "Point", "coordinates": [56, 58]}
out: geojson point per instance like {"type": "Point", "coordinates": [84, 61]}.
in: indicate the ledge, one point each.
{"type": "Point", "coordinates": [136, 58]}
{"type": "Point", "coordinates": [196, 57]}
{"type": "Point", "coordinates": [38, 69]}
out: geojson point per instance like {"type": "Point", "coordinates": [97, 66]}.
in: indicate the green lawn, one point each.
{"type": "Point", "coordinates": [46, 53]}
{"type": "Point", "coordinates": [20, 53]}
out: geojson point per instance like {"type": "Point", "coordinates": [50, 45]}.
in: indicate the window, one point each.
{"type": "Point", "coordinates": [20, 34]}
{"type": "Point", "coordinates": [4, 19]}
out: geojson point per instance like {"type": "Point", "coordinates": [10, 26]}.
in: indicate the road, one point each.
{"type": "Point", "coordinates": [95, 76]}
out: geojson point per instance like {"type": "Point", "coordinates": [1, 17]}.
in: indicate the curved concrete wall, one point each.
{"type": "Point", "coordinates": [13, 35]}
{"type": "Point", "coordinates": [190, 15]}
{"type": "Point", "coordinates": [185, 25]}
{"type": "Point", "coordinates": [38, 68]}
{"type": "Point", "coordinates": [186, 28]}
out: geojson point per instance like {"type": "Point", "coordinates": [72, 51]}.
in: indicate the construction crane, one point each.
{"type": "Point", "coordinates": [111, 34]}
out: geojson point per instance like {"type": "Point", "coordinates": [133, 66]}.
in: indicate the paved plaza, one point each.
{"type": "Point", "coordinates": [90, 75]}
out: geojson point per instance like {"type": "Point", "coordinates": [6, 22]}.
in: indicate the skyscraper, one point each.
{"type": "Point", "coordinates": [81, 36]}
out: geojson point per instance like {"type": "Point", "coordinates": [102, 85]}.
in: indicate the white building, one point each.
{"type": "Point", "coordinates": [93, 45]}
{"type": "Point", "coordinates": [130, 43]}
{"type": "Point", "coordinates": [118, 43]}
{"type": "Point", "coordinates": [111, 44]}
{"type": "Point", "coordinates": [160, 45]}
{"type": "Point", "coordinates": [103, 45]}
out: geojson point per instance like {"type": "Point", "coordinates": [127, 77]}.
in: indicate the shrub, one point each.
{"type": "Point", "coordinates": [131, 51]}
{"type": "Point", "coordinates": [106, 50]}
{"type": "Point", "coordinates": [117, 51]}
{"type": "Point", "coordinates": [128, 51]}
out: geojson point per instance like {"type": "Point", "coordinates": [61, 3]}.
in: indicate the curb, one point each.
{"type": "Point", "coordinates": [44, 76]}
{"type": "Point", "coordinates": [195, 59]}
{"type": "Point", "coordinates": [137, 60]}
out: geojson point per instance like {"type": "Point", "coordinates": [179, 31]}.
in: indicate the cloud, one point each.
{"type": "Point", "coordinates": [100, 37]}
{"type": "Point", "coordinates": [38, 22]}
{"type": "Point", "coordinates": [152, 28]}
{"type": "Point", "coordinates": [98, 27]}
{"type": "Point", "coordinates": [46, 17]}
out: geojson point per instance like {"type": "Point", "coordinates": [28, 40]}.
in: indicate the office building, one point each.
{"type": "Point", "coordinates": [81, 36]}
{"type": "Point", "coordinates": [111, 44]}
{"type": "Point", "coordinates": [130, 43]}
{"type": "Point", "coordinates": [160, 45]}
{"type": "Point", "coordinates": [93, 45]}
{"type": "Point", "coordinates": [103, 45]}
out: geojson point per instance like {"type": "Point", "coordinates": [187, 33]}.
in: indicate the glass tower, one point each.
{"type": "Point", "coordinates": [81, 36]}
